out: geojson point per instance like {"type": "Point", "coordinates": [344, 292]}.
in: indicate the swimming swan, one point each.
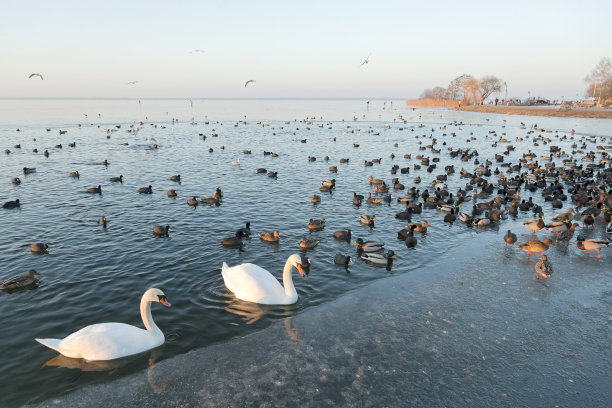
{"type": "Point", "coordinates": [254, 284]}
{"type": "Point", "coordinates": [108, 341]}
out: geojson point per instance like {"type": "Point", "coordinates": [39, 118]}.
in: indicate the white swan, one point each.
{"type": "Point", "coordinates": [254, 284]}
{"type": "Point", "coordinates": [108, 341]}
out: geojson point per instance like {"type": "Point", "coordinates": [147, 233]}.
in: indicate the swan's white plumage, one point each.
{"type": "Point", "coordinates": [109, 341]}
{"type": "Point", "coordinates": [254, 284]}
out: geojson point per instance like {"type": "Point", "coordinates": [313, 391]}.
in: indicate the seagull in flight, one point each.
{"type": "Point", "coordinates": [132, 82]}
{"type": "Point", "coordinates": [366, 60]}
{"type": "Point", "coordinates": [31, 75]}
{"type": "Point", "coordinates": [248, 82]}
{"type": "Point", "coordinates": [192, 51]}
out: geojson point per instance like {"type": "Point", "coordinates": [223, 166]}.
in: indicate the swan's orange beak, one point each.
{"type": "Point", "coordinates": [164, 301]}
{"type": "Point", "coordinates": [300, 269]}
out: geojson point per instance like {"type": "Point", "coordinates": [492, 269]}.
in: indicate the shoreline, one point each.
{"type": "Point", "coordinates": [543, 111]}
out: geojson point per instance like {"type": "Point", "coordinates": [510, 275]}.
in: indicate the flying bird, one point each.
{"type": "Point", "coordinates": [248, 82]}
{"type": "Point", "coordinates": [31, 75]}
{"type": "Point", "coordinates": [132, 82]}
{"type": "Point", "coordinates": [192, 51]}
{"type": "Point", "coordinates": [366, 60]}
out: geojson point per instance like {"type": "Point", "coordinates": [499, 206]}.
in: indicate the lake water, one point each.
{"type": "Point", "coordinates": [93, 275]}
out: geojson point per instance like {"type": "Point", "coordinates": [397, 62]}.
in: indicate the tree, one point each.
{"type": "Point", "coordinates": [471, 91]}
{"type": "Point", "coordinates": [489, 85]}
{"type": "Point", "coordinates": [600, 80]}
{"type": "Point", "coordinates": [455, 88]}
{"type": "Point", "coordinates": [438, 93]}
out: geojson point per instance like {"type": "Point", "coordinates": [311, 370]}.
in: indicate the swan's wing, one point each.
{"type": "Point", "coordinates": [252, 283]}
{"type": "Point", "coordinates": [104, 341]}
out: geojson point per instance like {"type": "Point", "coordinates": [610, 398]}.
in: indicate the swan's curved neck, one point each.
{"type": "Point", "coordinates": [288, 281]}
{"type": "Point", "coordinates": [147, 319]}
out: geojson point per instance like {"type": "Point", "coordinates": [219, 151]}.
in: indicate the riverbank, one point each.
{"type": "Point", "coordinates": [478, 337]}
{"type": "Point", "coordinates": [540, 111]}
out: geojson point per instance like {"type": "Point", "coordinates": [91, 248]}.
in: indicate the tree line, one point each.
{"type": "Point", "coordinates": [467, 89]}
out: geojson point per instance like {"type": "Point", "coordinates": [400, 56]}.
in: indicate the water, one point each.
{"type": "Point", "coordinates": [94, 274]}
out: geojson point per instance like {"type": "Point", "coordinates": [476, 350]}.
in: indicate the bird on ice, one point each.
{"type": "Point", "coordinates": [366, 60]}
{"type": "Point", "coordinates": [248, 82]}
{"type": "Point", "coordinates": [31, 75]}
{"type": "Point", "coordinates": [132, 82]}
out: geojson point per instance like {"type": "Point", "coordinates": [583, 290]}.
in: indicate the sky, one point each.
{"type": "Point", "coordinates": [306, 49]}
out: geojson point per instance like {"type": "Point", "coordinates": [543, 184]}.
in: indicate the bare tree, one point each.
{"type": "Point", "coordinates": [455, 88]}
{"type": "Point", "coordinates": [600, 80]}
{"type": "Point", "coordinates": [489, 85]}
{"type": "Point", "coordinates": [471, 91]}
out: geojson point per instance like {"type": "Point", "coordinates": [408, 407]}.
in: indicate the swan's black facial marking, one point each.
{"type": "Point", "coordinates": [305, 264]}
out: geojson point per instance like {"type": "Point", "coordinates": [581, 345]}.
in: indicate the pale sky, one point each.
{"type": "Point", "coordinates": [302, 49]}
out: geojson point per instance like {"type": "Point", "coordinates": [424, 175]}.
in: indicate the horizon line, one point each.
{"type": "Point", "coordinates": [200, 98]}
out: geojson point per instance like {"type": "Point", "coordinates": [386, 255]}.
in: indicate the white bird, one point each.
{"type": "Point", "coordinates": [31, 75]}
{"type": "Point", "coordinates": [248, 82]}
{"type": "Point", "coordinates": [366, 60]}
{"type": "Point", "coordinates": [254, 284]}
{"type": "Point", "coordinates": [108, 341]}
{"type": "Point", "coordinates": [192, 51]}
{"type": "Point", "coordinates": [132, 82]}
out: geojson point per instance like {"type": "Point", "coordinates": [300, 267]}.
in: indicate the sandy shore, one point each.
{"type": "Point", "coordinates": [540, 111]}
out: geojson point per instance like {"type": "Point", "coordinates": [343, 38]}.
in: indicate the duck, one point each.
{"type": "Point", "coordinates": [234, 241]}
{"type": "Point", "coordinates": [29, 170]}
{"type": "Point", "coordinates": [368, 220]}
{"type": "Point", "coordinates": [95, 190]}
{"type": "Point", "coordinates": [422, 227]}
{"type": "Point", "coordinates": [543, 268]}
{"type": "Point", "coordinates": [510, 238]}
{"type": "Point", "coordinates": [74, 174]}
{"type": "Point", "coordinates": [19, 281]}
{"type": "Point", "coordinates": [589, 245]}
{"type": "Point", "coordinates": [269, 236]}
{"type": "Point", "coordinates": [450, 217]}
{"type": "Point", "coordinates": [308, 243]}
{"type": "Point", "coordinates": [373, 200]}
{"type": "Point", "coordinates": [145, 190]}
{"type": "Point", "coordinates": [533, 247]}
{"type": "Point", "coordinates": [558, 226]}
{"type": "Point", "coordinates": [315, 199]}
{"type": "Point", "coordinates": [535, 225]}
{"type": "Point", "coordinates": [411, 240]}
{"type": "Point", "coordinates": [568, 233]}
{"type": "Point", "coordinates": [209, 200]}
{"type": "Point", "coordinates": [375, 181]}
{"type": "Point", "coordinates": [329, 183]}
{"type": "Point", "coordinates": [192, 201]}
{"type": "Point", "coordinates": [176, 178]}
{"type": "Point", "coordinates": [110, 341]}
{"type": "Point", "coordinates": [588, 220]}
{"type": "Point", "coordinates": [316, 225]}
{"type": "Point", "coordinates": [343, 235]}
{"type": "Point", "coordinates": [39, 248]}
{"type": "Point", "coordinates": [252, 283]}
{"type": "Point", "coordinates": [357, 198]}
{"type": "Point", "coordinates": [368, 246]}
{"type": "Point", "coordinates": [463, 217]}
{"type": "Point", "coordinates": [481, 222]}
{"type": "Point", "coordinates": [340, 259]}
{"type": "Point", "coordinates": [379, 258]}
{"type": "Point", "coordinates": [117, 179]}
{"type": "Point", "coordinates": [246, 231]}
{"type": "Point", "coordinates": [172, 193]}
{"type": "Point", "coordinates": [102, 221]}
{"type": "Point", "coordinates": [161, 231]}
{"type": "Point", "coordinates": [16, 180]}
{"type": "Point", "coordinates": [11, 204]}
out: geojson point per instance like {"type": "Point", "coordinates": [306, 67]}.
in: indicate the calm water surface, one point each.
{"type": "Point", "coordinates": [93, 275]}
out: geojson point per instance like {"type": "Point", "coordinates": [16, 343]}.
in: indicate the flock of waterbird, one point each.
{"type": "Point", "coordinates": [493, 190]}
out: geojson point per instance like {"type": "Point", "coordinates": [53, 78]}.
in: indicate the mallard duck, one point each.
{"type": "Point", "coordinates": [11, 204]}
{"type": "Point", "coordinates": [16, 180]}
{"type": "Point", "coordinates": [481, 222]}
{"type": "Point", "coordinates": [535, 225]}
{"type": "Point", "coordinates": [463, 217]}
{"type": "Point", "coordinates": [315, 199]}
{"type": "Point", "coordinates": [533, 247]}
{"type": "Point", "coordinates": [340, 259]}
{"type": "Point", "coordinates": [146, 190]}
{"type": "Point", "coordinates": [382, 189]}
{"type": "Point", "coordinates": [588, 220]}
{"type": "Point", "coordinates": [329, 183]}
{"type": "Point", "coordinates": [19, 281]}
{"type": "Point", "coordinates": [589, 245]}
{"type": "Point", "coordinates": [510, 238]}
{"type": "Point", "coordinates": [316, 225]}
{"type": "Point", "coordinates": [234, 241]}
{"type": "Point", "coordinates": [568, 233]}
{"type": "Point", "coordinates": [343, 235]}
{"type": "Point", "coordinates": [308, 243]}
{"type": "Point", "coordinates": [246, 231]}
{"type": "Point", "coordinates": [543, 268]}
{"type": "Point", "coordinates": [117, 179]}
{"type": "Point", "coordinates": [379, 258]}
{"type": "Point", "coordinates": [269, 236]}
{"type": "Point", "coordinates": [559, 226]}
{"type": "Point", "coordinates": [192, 201]}
{"type": "Point", "coordinates": [368, 220]}
{"type": "Point", "coordinates": [74, 174]}
{"type": "Point", "coordinates": [422, 227]}
{"type": "Point", "coordinates": [218, 194]}
{"type": "Point", "coordinates": [161, 231]}
{"type": "Point", "coordinates": [176, 178]}
{"type": "Point", "coordinates": [95, 190]}
{"type": "Point", "coordinates": [39, 248]}
{"type": "Point", "coordinates": [608, 228]}
{"type": "Point", "coordinates": [368, 246]}
{"type": "Point", "coordinates": [375, 181]}
{"type": "Point", "coordinates": [172, 193]}
{"type": "Point", "coordinates": [209, 200]}
{"type": "Point", "coordinates": [102, 221]}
